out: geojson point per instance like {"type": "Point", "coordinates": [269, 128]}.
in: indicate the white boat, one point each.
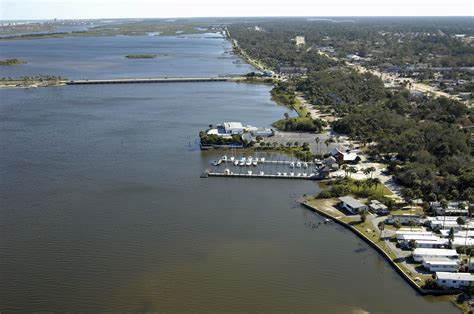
{"type": "Point", "coordinates": [292, 164]}
{"type": "Point", "coordinates": [305, 165]}
{"type": "Point", "coordinates": [242, 162]}
{"type": "Point", "coordinates": [298, 165]}
{"type": "Point", "coordinates": [284, 174]}
{"type": "Point", "coordinates": [232, 158]}
{"type": "Point", "coordinates": [262, 159]}
{"type": "Point", "coordinates": [298, 174]}
{"type": "Point", "coordinates": [236, 162]}
{"type": "Point", "coordinates": [305, 174]}
{"type": "Point", "coordinates": [292, 174]}
{"type": "Point", "coordinates": [278, 173]}
{"type": "Point", "coordinates": [254, 163]}
{"type": "Point", "coordinates": [249, 157]}
{"type": "Point", "coordinates": [249, 162]}
{"type": "Point", "coordinates": [262, 173]}
{"type": "Point", "coordinates": [249, 172]}
{"type": "Point", "coordinates": [216, 162]}
{"type": "Point", "coordinates": [224, 158]}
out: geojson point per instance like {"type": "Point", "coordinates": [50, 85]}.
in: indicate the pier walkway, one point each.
{"type": "Point", "coordinates": [155, 80]}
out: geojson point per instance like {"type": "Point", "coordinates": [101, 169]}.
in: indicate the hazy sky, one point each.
{"type": "Point", "coordinates": [48, 9]}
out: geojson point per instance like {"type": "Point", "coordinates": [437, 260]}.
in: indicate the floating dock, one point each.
{"type": "Point", "coordinates": [263, 176]}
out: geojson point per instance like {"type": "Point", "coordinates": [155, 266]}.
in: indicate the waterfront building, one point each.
{"type": "Point", "coordinates": [449, 280]}
{"type": "Point", "coordinates": [378, 208]}
{"type": "Point", "coordinates": [429, 241]}
{"type": "Point", "coordinates": [420, 253]}
{"type": "Point", "coordinates": [351, 204]}
{"type": "Point", "coordinates": [441, 264]}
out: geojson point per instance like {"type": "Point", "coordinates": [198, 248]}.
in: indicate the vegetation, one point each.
{"type": "Point", "coordinates": [141, 56]}
{"type": "Point", "coordinates": [369, 188]}
{"type": "Point", "coordinates": [213, 139]}
{"type": "Point", "coordinates": [12, 62]}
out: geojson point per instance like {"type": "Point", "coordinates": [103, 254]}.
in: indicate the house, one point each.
{"type": "Point", "coordinates": [441, 264]}
{"type": "Point", "coordinates": [399, 233]}
{"type": "Point", "coordinates": [442, 222]}
{"type": "Point", "coordinates": [300, 41]}
{"type": "Point", "coordinates": [351, 204]}
{"type": "Point", "coordinates": [448, 280]}
{"type": "Point", "coordinates": [453, 208]}
{"type": "Point", "coordinates": [378, 208]}
{"type": "Point", "coordinates": [405, 240]}
{"type": "Point", "coordinates": [431, 244]}
{"type": "Point", "coordinates": [346, 157]}
{"type": "Point", "coordinates": [233, 127]}
{"type": "Point", "coordinates": [420, 253]}
{"type": "Point", "coordinates": [404, 219]}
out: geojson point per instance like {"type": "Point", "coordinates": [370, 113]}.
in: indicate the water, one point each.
{"type": "Point", "coordinates": [102, 209]}
{"type": "Point", "coordinates": [203, 55]}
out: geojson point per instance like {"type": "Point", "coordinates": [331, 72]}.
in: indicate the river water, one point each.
{"type": "Point", "coordinates": [102, 207]}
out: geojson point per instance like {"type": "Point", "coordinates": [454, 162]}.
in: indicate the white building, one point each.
{"type": "Point", "coordinates": [454, 280]}
{"type": "Point", "coordinates": [378, 208]}
{"type": "Point", "coordinates": [405, 239]}
{"type": "Point", "coordinates": [399, 233]}
{"type": "Point", "coordinates": [441, 264]}
{"type": "Point", "coordinates": [300, 41]}
{"type": "Point", "coordinates": [432, 244]}
{"type": "Point", "coordinates": [233, 127]}
{"type": "Point", "coordinates": [351, 204]}
{"type": "Point", "coordinates": [404, 219]}
{"type": "Point", "coordinates": [453, 208]}
{"type": "Point", "coordinates": [420, 253]}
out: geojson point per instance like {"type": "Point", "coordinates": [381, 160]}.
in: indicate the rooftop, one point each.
{"type": "Point", "coordinates": [440, 252]}
{"type": "Point", "coordinates": [454, 276]}
{"type": "Point", "coordinates": [352, 202]}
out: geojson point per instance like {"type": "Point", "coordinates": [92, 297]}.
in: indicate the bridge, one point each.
{"type": "Point", "coordinates": [156, 80]}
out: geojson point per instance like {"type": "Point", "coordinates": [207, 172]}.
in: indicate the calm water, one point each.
{"type": "Point", "coordinates": [104, 57]}
{"type": "Point", "coordinates": [102, 209]}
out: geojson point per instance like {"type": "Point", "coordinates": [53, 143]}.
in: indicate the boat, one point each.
{"type": "Point", "coordinates": [292, 174]}
{"type": "Point", "coordinates": [242, 162]}
{"type": "Point", "coordinates": [298, 174]}
{"type": "Point", "coordinates": [305, 165]}
{"type": "Point", "coordinates": [236, 162]}
{"type": "Point", "coordinates": [262, 173]}
{"type": "Point", "coordinates": [249, 172]}
{"type": "Point", "coordinates": [224, 158]}
{"type": "Point", "coordinates": [232, 158]}
{"type": "Point", "coordinates": [248, 162]}
{"type": "Point", "coordinates": [284, 174]}
{"type": "Point", "coordinates": [262, 159]}
{"type": "Point", "coordinates": [278, 173]}
{"type": "Point", "coordinates": [254, 163]}
{"type": "Point", "coordinates": [298, 165]}
{"type": "Point", "coordinates": [292, 164]}
{"type": "Point", "coordinates": [305, 174]}
{"type": "Point", "coordinates": [215, 163]}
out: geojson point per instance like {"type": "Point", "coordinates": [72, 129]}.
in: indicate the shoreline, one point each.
{"type": "Point", "coordinates": [384, 254]}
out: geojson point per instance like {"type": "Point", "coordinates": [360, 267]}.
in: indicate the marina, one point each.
{"type": "Point", "coordinates": [255, 167]}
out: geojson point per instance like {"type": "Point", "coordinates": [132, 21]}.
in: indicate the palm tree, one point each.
{"type": "Point", "coordinates": [381, 226]}
{"type": "Point", "coordinates": [444, 205]}
{"type": "Point", "coordinates": [460, 221]}
{"type": "Point", "coordinates": [358, 184]}
{"type": "Point", "coordinates": [287, 115]}
{"type": "Point", "coordinates": [376, 182]}
{"type": "Point", "coordinates": [352, 170]}
{"type": "Point", "coordinates": [317, 139]}
{"type": "Point", "coordinates": [346, 169]}
{"type": "Point", "coordinates": [327, 142]}
{"type": "Point", "coordinates": [451, 236]}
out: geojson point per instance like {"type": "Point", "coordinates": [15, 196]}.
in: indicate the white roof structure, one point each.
{"type": "Point", "coordinates": [349, 156]}
{"type": "Point", "coordinates": [352, 202]}
{"type": "Point", "coordinates": [464, 233]}
{"type": "Point", "coordinates": [408, 237]}
{"type": "Point", "coordinates": [233, 125]}
{"type": "Point", "coordinates": [435, 252]}
{"type": "Point", "coordinates": [432, 242]}
{"type": "Point", "coordinates": [445, 261]}
{"type": "Point", "coordinates": [454, 276]}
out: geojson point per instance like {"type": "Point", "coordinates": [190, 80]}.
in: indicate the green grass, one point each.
{"type": "Point", "coordinates": [142, 56]}
{"type": "Point", "coordinates": [12, 62]}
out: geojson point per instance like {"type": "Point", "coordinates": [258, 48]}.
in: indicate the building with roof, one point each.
{"type": "Point", "coordinates": [378, 208]}
{"type": "Point", "coordinates": [452, 208]}
{"type": "Point", "coordinates": [351, 204]}
{"type": "Point", "coordinates": [449, 280]}
{"type": "Point", "coordinates": [344, 157]}
{"type": "Point", "coordinates": [441, 264]}
{"type": "Point", "coordinates": [420, 253]}
{"type": "Point", "coordinates": [404, 219]}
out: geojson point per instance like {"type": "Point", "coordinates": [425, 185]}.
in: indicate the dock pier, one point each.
{"type": "Point", "coordinates": [155, 80]}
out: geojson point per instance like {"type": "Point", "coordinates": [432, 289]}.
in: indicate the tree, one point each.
{"type": "Point", "coordinates": [358, 184]}
{"type": "Point", "coordinates": [352, 169]}
{"type": "Point", "coordinates": [451, 236]}
{"type": "Point", "coordinates": [397, 224]}
{"type": "Point", "coordinates": [444, 205]}
{"type": "Point", "coordinates": [317, 139]}
{"type": "Point", "coordinates": [381, 226]}
{"type": "Point", "coordinates": [412, 244]}
{"type": "Point", "coordinates": [287, 115]}
{"type": "Point", "coordinates": [363, 215]}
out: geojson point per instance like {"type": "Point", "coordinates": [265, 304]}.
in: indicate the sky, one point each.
{"type": "Point", "coordinates": [88, 9]}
